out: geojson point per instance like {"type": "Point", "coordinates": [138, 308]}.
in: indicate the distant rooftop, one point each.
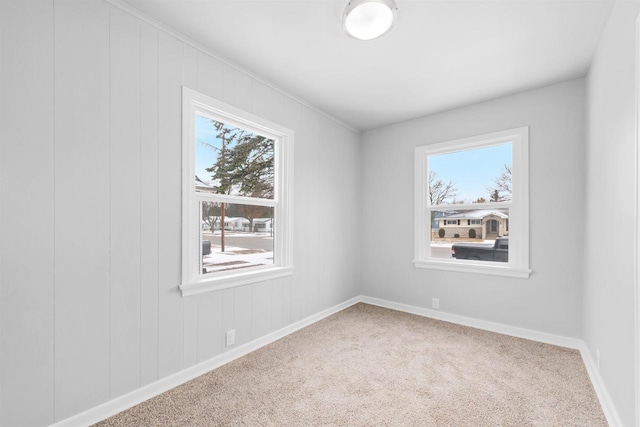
{"type": "Point", "coordinates": [478, 214]}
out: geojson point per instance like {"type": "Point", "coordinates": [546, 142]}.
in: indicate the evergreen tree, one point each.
{"type": "Point", "coordinates": [244, 167]}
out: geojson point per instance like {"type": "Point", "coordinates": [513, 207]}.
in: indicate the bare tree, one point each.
{"type": "Point", "coordinates": [439, 191]}
{"type": "Point", "coordinates": [501, 190]}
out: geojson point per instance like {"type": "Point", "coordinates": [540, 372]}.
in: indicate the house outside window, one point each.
{"type": "Point", "coordinates": [473, 192]}
{"type": "Point", "coordinates": [236, 196]}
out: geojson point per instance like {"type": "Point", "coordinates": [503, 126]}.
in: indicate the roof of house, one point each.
{"type": "Point", "coordinates": [261, 220]}
{"type": "Point", "coordinates": [203, 186]}
{"type": "Point", "coordinates": [478, 214]}
{"type": "Point", "coordinates": [236, 219]}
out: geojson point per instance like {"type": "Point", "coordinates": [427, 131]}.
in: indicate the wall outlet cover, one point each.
{"type": "Point", "coordinates": [230, 337]}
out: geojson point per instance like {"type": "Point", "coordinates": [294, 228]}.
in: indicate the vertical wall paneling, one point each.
{"type": "Point", "coordinates": [26, 217]}
{"type": "Point", "coordinates": [261, 306]}
{"type": "Point", "coordinates": [243, 98]}
{"type": "Point", "coordinates": [262, 100]}
{"type": "Point", "coordinates": [277, 305]}
{"type": "Point", "coordinates": [149, 204]}
{"type": "Point", "coordinates": [317, 149]}
{"type": "Point", "coordinates": [242, 305]}
{"type": "Point", "coordinates": [228, 309]}
{"type": "Point", "coordinates": [210, 76]}
{"type": "Point", "coordinates": [190, 350]}
{"type": "Point", "coordinates": [286, 299]}
{"type": "Point", "coordinates": [304, 228]}
{"type": "Point", "coordinates": [333, 218]}
{"type": "Point", "coordinates": [90, 209]}
{"type": "Point", "coordinates": [278, 113]}
{"type": "Point", "coordinates": [210, 335]}
{"type": "Point", "coordinates": [125, 202]}
{"type": "Point", "coordinates": [169, 179]}
{"type": "Point", "coordinates": [228, 88]}
{"type": "Point", "coordinates": [81, 206]}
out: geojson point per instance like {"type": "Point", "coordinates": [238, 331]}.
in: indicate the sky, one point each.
{"type": "Point", "coordinates": [472, 171]}
{"type": "Point", "coordinates": [205, 156]}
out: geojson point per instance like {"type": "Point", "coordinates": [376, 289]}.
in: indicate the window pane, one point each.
{"type": "Point", "coordinates": [245, 241]}
{"type": "Point", "coordinates": [472, 176]}
{"type": "Point", "coordinates": [232, 160]}
{"type": "Point", "coordinates": [470, 234]}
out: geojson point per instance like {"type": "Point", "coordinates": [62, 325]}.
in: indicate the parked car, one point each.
{"type": "Point", "coordinates": [499, 251]}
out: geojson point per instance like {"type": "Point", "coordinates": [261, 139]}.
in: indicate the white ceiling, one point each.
{"type": "Point", "coordinates": [440, 55]}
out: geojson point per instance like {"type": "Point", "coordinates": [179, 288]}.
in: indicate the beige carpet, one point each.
{"type": "Point", "coordinates": [370, 366]}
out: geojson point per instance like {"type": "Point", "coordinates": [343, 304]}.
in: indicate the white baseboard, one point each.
{"type": "Point", "coordinates": [135, 397]}
{"type": "Point", "coordinates": [606, 402]}
{"type": "Point", "coordinates": [596, 380]}
{"type": "Point", "coordinates": [500, 328]}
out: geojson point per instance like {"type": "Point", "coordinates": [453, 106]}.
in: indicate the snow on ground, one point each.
{"type": "Point", "coordinates": [449, 244]}
{"type": "Point", "coordinates": [235, 257]}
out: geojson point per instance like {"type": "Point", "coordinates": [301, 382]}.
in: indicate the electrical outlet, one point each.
{"type": "Point", "coordinates": [598, 359]}
{"type": "Point", "coordinates": [435, 303]}
{"type": "Point", "coordinates": [230, 337]}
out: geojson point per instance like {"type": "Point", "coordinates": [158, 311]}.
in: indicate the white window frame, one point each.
{"type": "Point", "coordinates": [518, 264]}
{"type": "Point", "coordinates": [193, 281]}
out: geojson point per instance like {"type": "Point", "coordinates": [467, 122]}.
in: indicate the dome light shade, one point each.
{"type": "Point", "coordinates": [368, 19]}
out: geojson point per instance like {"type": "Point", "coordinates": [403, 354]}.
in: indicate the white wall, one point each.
{"type": "Point", "coordinates": [610, 208]}
{"type": "Point", "coordinates": [90, 210]}
{"type": "Point", "coordinates": [550, 300]}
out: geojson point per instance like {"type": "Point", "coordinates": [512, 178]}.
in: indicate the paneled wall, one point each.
{"type": "Point", "coordinates": [90, 209]}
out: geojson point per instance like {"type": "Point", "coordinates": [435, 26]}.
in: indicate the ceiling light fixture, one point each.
{"type": "Point", "coordinates": [369, 19]}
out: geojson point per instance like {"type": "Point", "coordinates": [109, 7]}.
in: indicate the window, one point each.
{"type": "Point", "coordinates": [236, 226]}
{"type": "Point", "coordinates": [485, 181]}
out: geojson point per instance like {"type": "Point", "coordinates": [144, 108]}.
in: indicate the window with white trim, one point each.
{"type": "Point", "coordinates": [236, 222]}
{"type": "Point", "coordinates": [483, 177]}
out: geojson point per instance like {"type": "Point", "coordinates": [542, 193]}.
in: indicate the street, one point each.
{"type": "Point", "coordinates": [261, 241]}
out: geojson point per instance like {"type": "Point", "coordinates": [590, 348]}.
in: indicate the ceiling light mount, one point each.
{"type": "Point", "coordinates": [369, 19]}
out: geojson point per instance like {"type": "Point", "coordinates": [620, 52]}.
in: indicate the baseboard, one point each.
{"type": "Point", "coordinates": [137, 396]}
{"type": "Point", "coordinates": [606, 402]}
{"type": "Point", "coordinates": [594, 375]}
{"type": "Point", "coordinates": [500, 328]}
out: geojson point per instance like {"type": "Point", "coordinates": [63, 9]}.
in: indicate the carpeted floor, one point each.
{"type": "Point", "coordinates": [370, 366]}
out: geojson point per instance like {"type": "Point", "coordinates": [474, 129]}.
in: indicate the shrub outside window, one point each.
{"type": "Point", "coordinates": [236, 226]}
{"type": "Point", "coordinates": [472, 204]}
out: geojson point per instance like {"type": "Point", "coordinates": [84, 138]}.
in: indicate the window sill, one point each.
{"type": "Point", "coordinates": [477, 267]}
{"type": "Point", "coordinates": [233, 280]}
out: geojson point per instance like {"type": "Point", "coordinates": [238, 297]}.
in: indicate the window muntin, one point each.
{"type": "Point", "coordinates": [236, 196]}
{"type": "Point", "coordinates": [446, 175]}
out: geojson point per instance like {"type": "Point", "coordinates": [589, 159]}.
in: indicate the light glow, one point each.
{"type": "Point", "coordinates": [368, 20]}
